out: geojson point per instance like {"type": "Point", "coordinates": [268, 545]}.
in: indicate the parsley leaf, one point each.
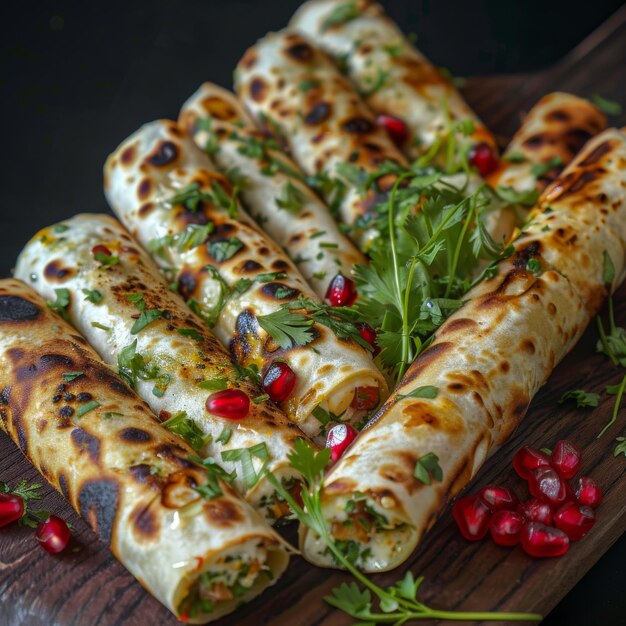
{"type": "Point", "coordinates": [214, 473]}
{"type": "Point", "coordinates": [515, 157]}
{"type": "Point", "coordinates": [68, 377]}
{"type": "Point", "coordinates": [145, 319]}
{"type": "Point", "coordinates": [427, 391]}
{"type": "Point", "coordinates": [287, 329]}
{"type": "Point", "coordinates": [106, 260]}
{"type": "Point", "coordinates": [215, 384]}
{"type": "Point", "coordinates": [428, 469]}
{"type": "Point", "coordinates": [190, 332]}
{"type": "Point", "coordinates": [225, 435]}
{"type": "Point", "coordinates": [183, 426]}
{"type": "Point", "coordinates": [620, 448]}
{"type": "Point", "coordinates": [61, 303]}
{"type": "Point", "coordinates": [85, 408]}
{"type": "Point", "coordinates": [609, 107]}
{"type": "Point", "coordinates": [292, 199]}
{"type": "Point", "coordinates": [223, 250]}
{"type": "Point", "coordinates": [341, 14]}
{"type": "Point", "coordinates": [581, 397]}
{"type": "Point", "coordinates": [92, 295]}
{"type": "Point", "coordinates": [540, 169]}
{"type": "Point", "coordinates": [244, 456]}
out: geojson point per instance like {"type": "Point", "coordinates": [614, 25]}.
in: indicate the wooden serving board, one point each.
{"type": "Point", "coordinates": [87, 586]}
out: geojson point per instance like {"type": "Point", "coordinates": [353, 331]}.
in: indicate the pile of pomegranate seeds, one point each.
{"type": "Point", "coordinates": [545, 524]}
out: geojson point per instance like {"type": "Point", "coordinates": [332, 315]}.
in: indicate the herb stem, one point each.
{"type": "Point", "coordinates": [604, 342]}
{"type": "Point", "coordinates": [618, 402]}
{"type": "Point", "coordinates": [457, 248]}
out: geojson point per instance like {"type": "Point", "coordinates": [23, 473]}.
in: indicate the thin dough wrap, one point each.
{"type": "Point", "coordinates": [274, 190]}
{"type": "Point", "coordinates": [178, 357]}
{"type": "Point", "coordinates": [393, 77]}
{"type": "Point", "coordinates": [486, 363]}
{"type": "Point", "coordinates": [236, 274]}
{"type": "Point", "coordinates": [295, 92]}
{"type": "Point", "coordinates": [96, 442]}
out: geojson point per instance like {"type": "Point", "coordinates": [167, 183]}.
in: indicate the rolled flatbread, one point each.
{"type": "Point", "coordinates": [467, 392]}
{"type": "Point", "coordinates": [294, 91]}
{"type": "Point", "coordinates": [160, 185]}
{"type": "Point", "coordinates": [96, 442]}
{"type": "Point", "coordinates": [274, 188]}
{"type": "Point", "coordinates": [174, 362]}
{"type": "Point", "coordinates": [393, 77]}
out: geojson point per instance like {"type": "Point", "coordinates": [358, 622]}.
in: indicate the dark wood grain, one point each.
{"type": "Point", "coordinates": [87, 586]}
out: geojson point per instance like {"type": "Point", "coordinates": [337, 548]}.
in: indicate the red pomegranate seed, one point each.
{"type": "Point", "coordinates": [566, 458]}
{"type": "Point", "coordinates": [483, 159]}
{"type": "Point", "coordinates": [498, 498]}
{"type": "Point", "coordinates": [544, 483]}
{"type": "Point", "coordinates": [279, 381]}
{"type": "Point", "coordinates": [339, 437]}
{"type": "Point", "coordinates": [472, 516]}
{"type": "Point", "coordinates": [53, 535]}
{"type": "Point", "coordinates": [341, 291]}
{"type": "Point", "coordinates": [505, 527]}
{"type": "Point", "coordinates": [575, 520]}
{"type": "Point", "coordinates": [365, 398]}
{"type": "Point", "coordinates": [11, 508]}
{"type": "Point", "coordinates": [232, 404]}
{"type": "Point", "coordinates": [395, 127]}
{"type": "Point", "coordinates": [527, 459]}
{"type": "Point", "coordinates": [535, 510]}
{"type": "Point", "coordinates": [588, 493]}
{"type": "Point", "coordinates": [96, 250]}
{"type": "Point", "coordinates": [369, 334]}
{"type": "Point", "coordinates": [543, 541]}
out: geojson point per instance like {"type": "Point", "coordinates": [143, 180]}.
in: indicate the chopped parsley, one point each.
{"type": "Point", "coordinates": [190, 332]}
{"type": "Point", "coordinates": [341, 14]}
{"type": "Point", "coordinates": [245, 456]}
{"type": "Point", "coordinates": [428, 469]}
{"type": "Point", "coordinates": [85, 408]}
{"type": "Point", "coordinates": [92, 295]}
{"type": "Point", "coordinates": [68, 377]}
{"type": "Point", "coordinates": [61, 302]}
{"type": "Point", "coordinates": [183, 426]}
{"type": "Point", "coordinates": [581, 397]}
{"type": "Point", "coordinates": [292, 199]}
{"type": "Point", "coordinates": [224, 250]}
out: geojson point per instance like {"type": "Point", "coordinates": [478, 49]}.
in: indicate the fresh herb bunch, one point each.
{"type": "Point", "coordinates": [422, 261]}
{"type": "Point", "coordinates": [397, 603]}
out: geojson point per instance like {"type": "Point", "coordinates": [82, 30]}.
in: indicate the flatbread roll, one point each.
{"type": "Point", "coordinates": [174, 362]}
{"type": "Point", "coordinates": [160, 186]}
{"type": "Point", "coordinates": [295, 93]}
{"type": "Point", "coordinates": [96, 442]}
{"type": "Point", "coordinates": [467, 392]}
{"type": "Point", "coordinates": [393, 77]}
{"type": "Point", "coordinates": [274, 188]}
{"type": "Point", "coordinates": [551, 135]}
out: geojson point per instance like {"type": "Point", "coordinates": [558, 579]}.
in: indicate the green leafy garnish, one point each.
{"type": "Point", "coordinates": [106, 260]}
{"type": "Point", "coordinates": [287, 329]}
{"type": "Point", "coordinates": [341, 14]}
{"type": "Point", "coordinates": [183, 426]}
{"type": "Point", "coordinates": [145, 319]}
{"type": "Point", "coordinates": [85, 408]}
{"type": "Point", "coordinates": [92, 295]}
{"type": "Point", "coordinates": [428, 469]}
{"type": "Point", "coordinates": [620, 448]}
{"type": "Point", "coordinates": [190, 332]}
{"type": "Point", "coordinates": [61, 302]}
{"type": "Point", "coordinates": [515, 157]}
{"type": "Point", "coordinates": [216, 384]}
{"type": "Point", "coordinates": [68, 377]}
{"type": "Point", "coordinates": [534, 267]}
{"type": "Point", "coordinates": [132, 366]}
{"type": "Point", "coordinates": [427, 391]}
{"type": "Point", "coordinates": [225, 435]}
{"type": "Point", "coordinates": [292, 199]}
{"type": "Point", "coordinates": [539, 169]}
{"type": "Point", "coordinates": [375, 84]}
{"type": "Point", "coordinates": [214, 473]}
{"type": "Point", "coordinates": [244, 456]}
{"type": "Point", "coordinates": [192, 237]}
{"type": "Point", "coordinates": [27, 492]}
{"type": "Point", "coordinates": [609, 107]}
{"type": "Point", "coordinates": [223, 250]}
{"type": "Point", "coordinates": [581, 397]}
{"type": "Point", "coordinates": [397, 603]}
{"type": "Point", "coordinates": [307, 85]}
{"type": "Point", "coordinates": [100, 326]}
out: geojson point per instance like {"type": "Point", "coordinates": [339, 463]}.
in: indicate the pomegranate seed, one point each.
{"type": "Point", "coordinates": [369, 334]}
{"type": "Point", "coordinates": [498, 498]}
{"type": "Point", "coordinates": [279, 381]}
{"type": "Point", "coordinates": [395, 127]}
{"type": "Point", "coordinates": [544, 483]}
{"type": "Point", "coordinates": [365, 398]}
{"type": "Point", "coordinates": [472, 516]}
{"type": "Point", "coordinates": [483, 159]}
{"type": "Point", "coordinates": [588, 493]}
{"type": "Point", "coordinates": [53, 535]}
{"type": "Point", "coordinates": [11, 508]}
{"type": "Point", "coordinates": [505, 527]}
{"type": "Point", "coordinates": [100, 250]}
{"type": "Point", "coordinates": [535, 510]}
{"type": "Point", "coordinates": [566, 458]}
{"type": "Point", "coordinates": [543, 541]}
{"type": "Point", "coordinates": [527, 459]}
{"type": "Point", "coordinates": [575, 520]}
{"type": "Point", "coordinates": [232, 404]}
{"type": "Point", "coordinates": [339, 437]}
{"type": "Point", "coordinates": [341, 291]}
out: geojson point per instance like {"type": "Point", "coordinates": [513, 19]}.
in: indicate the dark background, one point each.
{"type": "Point", "coordinates": [78, 77]}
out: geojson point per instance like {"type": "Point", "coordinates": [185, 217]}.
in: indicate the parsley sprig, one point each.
{"type": "Point", "coordinates": [370, 604]}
